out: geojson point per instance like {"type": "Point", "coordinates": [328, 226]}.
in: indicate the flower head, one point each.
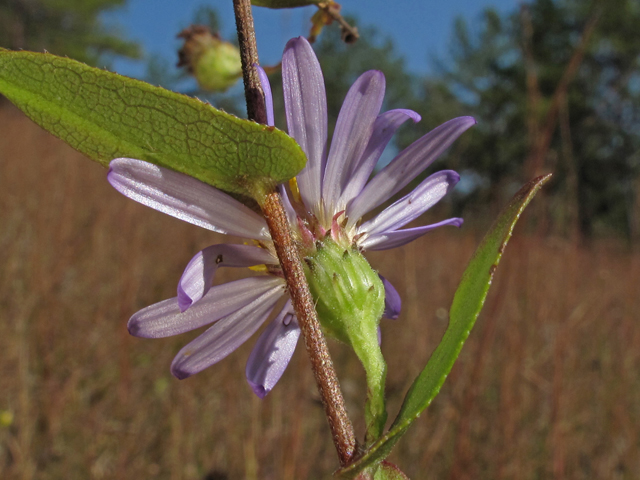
{"type": "Point", "coordinates": [325, 202]}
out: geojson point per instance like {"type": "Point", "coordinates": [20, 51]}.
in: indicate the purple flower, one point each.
{"type": "Point", "coordinates": [329, 197]}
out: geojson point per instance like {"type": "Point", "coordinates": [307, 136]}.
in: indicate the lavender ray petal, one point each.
{"type": "Point", "coordinates": [185, 198]}
{"type": "Point", "coordinates": [392, 300]}
{"type": "Point", "coordinates": [305, 103]}
{"type": "Point", "coordinates": [225, 336]}
{"type": "Point", "coordinates": [411, 206]}
{"type": "Point", "coordinates": [164, 319]}
{"type": "Point", "coordinates": [384, 128]}
{"type": "Point", "coordinates": [198, 276]}
{"type": "Point", "coordinates": [268, 96]}
{"type": "Point", "coordinates": [352, 133]}
{"type": "Point", "coordinates": [407, 165]}
{"type": "Point", "coordinates": [398, 238]}
{"type": "Point", "coordinates": [286, 203]}
{"type": "Point", "coordinates": [272, 352]}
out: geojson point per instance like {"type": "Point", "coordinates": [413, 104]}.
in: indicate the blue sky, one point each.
{"type": "Point", "coordinates": [419, 28]}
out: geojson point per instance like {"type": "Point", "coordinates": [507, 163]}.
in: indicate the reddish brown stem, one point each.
{"type": "Point", "coordinates": [301, 299]}
{"type": "Point", "coordinates": [256, 109]}
{"type": "Point", "coordinates": [321, 364]}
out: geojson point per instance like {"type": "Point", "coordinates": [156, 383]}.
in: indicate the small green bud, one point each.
{"type": "Point", "coordinates": [213, 62]}
{"type": "Point", "coordinates": [349, 294]}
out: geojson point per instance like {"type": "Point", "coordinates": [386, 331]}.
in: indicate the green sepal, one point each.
{"type": "Point", "coordinates": [467, 304]}
{"type": "Point", "coordinates": [106, 116]}
{"type": "Point", "coordinates": [349, 294]}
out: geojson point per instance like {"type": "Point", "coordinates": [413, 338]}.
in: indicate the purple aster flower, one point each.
{"type": "Point", "coordinates": [329, 197]}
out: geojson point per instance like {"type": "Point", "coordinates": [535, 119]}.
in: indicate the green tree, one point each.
{"type": "Point", "coordinates": [63, 27]}
{"type": "Point", "coordinates": [555, 87]}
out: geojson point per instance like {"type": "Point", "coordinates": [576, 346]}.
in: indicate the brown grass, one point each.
{"type": "Point", "coordinates": [546, 387]}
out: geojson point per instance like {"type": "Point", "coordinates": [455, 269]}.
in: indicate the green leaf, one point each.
{"type": "Point", "coordinates": [466, 306]}
{"type": "Point", "coordinates": [106, 116]}
{"type": "Point", "coordinates": [388, 471]}
{"type": "Point", "coordinates": [284, 3]}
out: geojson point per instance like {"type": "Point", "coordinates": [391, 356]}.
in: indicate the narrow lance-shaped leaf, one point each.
{"type": "Point", "coordinates": [105, 116]}
{"type": "Point", "coordinates": [467, 304]}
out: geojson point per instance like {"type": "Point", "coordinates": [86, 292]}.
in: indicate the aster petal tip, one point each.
{"type": "Point", "coordinates": [392, 300]}
{"type": "Point", "coordinates": [118, 166]}
{"type": "Point", "coordinates": [268, 96]}
{"type": "Point", "coordinates": [164, 319]}
{"type": "Point", "coordinates": [259, 390]}
{"type": "Point", "coordinates": [180, 374]}
{"type": "Point", "coordinates": [463, 123]}
{"type": "Point", "coordinates": [133, 327]}
{"type": "Point", "coordinates": [411, 206]}
{"type": "Point", "coordinates": [415, 116]}
{"type": "Point", "coordinates": [398, 238]}
{"type": "Point", "coordinates": [453, 178]}
{"type": "Point", "coordinates": [378, 74]}
{"type": "Point", "coordinates": [297, 41]}
{"type": "Point", "coordinates": [184, 300]}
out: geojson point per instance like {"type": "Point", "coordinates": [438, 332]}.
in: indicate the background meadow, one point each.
{"type": "Point", "coordinates": [546, 387]}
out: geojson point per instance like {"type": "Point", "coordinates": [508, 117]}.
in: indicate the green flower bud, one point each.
{"type": "Point", "coordinates": [6, 418]}
{"type": "Point", "coordinates": [349, 294]}
{"type": "Point", "coordinates": [214, 62]}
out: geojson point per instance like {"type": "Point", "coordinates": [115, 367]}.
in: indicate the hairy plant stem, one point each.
{"type": "Point", "coordinates": [321, 364]}
{"type": "Point", "coordinates": [256, 109]}
{"type": "Point", "coordinates": [301, 299]}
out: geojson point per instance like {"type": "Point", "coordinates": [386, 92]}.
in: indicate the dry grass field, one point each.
{"type": "Point", "coordinates": [547, 387]}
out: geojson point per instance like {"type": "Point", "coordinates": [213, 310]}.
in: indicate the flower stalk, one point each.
{"type": "Point", "coordinates": [256, 109]}
{"type": "Point", "coordinates": [316, 346]}
{"type": "Point", "coordinates": [302, 301]}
